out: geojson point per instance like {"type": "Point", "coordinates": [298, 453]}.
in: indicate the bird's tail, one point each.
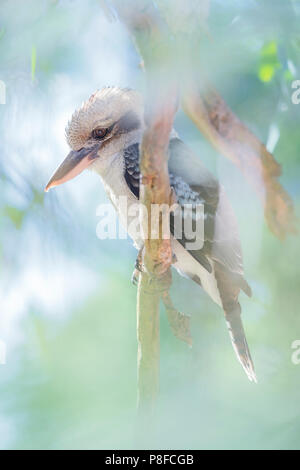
{"type": "Point", "coordinates": [239, 342]}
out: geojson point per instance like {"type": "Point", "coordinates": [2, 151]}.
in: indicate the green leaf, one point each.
{"type": "Point", "coordinates": [266, 72]}
{"type": "Point", "coordinates": [269, 62]}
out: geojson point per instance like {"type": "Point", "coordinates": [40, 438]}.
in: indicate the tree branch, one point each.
{"type": "Point", "coordinates": [156, 278]}
{"type": "Point", "coordinates": [233, 139]}
{"type": "Point", "coordinates": [143, 22]}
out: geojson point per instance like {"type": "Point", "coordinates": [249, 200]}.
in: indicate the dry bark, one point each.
{"type": "Point", "coordinates": [156, 277]}
{"type": "Point", "coordinates": [234, 140]}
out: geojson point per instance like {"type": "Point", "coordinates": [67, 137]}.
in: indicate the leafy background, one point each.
{"type": "Point", "coordinates": [67, 307]}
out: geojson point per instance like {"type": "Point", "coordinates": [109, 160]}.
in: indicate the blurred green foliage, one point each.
{"type": "Point", "coordinates": [67, 305]}
{"type": "Point", "coordinates": [33, 62]}
{"type": "Point", "coordinates": [269, 62]}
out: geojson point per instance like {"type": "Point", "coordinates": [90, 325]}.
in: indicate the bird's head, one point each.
{"type": "Point", "coordinates": [109, 121]}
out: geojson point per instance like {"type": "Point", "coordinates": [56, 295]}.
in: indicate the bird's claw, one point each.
{"type": "Point", "coordinates": [138, 265]}
{"type": "Point", "coordinates": [138, 268]}
{"type": "Point", "coordinates": [135, 277]}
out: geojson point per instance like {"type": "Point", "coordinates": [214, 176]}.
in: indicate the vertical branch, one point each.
{"type": "Point", "coordinates": [148, 301]}
{"type": "Point", "coordinates": [156, 279]}
{"type": "Point", "coordinates": [152, 41]}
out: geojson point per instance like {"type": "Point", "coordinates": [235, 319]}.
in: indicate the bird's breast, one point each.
{"type": "Point", "coordinates": [125, 203]}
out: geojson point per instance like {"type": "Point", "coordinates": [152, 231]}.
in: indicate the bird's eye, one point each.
{"type": "Point", "coordinates": [99, 133]}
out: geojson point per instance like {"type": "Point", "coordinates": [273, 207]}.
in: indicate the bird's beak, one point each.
{"type": "Point", "coordinates": [73, 165]}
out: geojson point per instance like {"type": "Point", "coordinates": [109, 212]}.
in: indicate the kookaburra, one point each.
{"type": "Point", "coordinates": [104, 136]}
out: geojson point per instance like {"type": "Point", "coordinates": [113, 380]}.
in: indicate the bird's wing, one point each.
{"type": "Point", "coordinates": [194, 184]}
{"type": "Point", "coordinates": [221, 238]}
{"type": "Point", "coordinates": [132, 168]}
{"type": "Point", "coordinates": [221, 243]}
{"type": "Point", "coordinates": [189, 233]}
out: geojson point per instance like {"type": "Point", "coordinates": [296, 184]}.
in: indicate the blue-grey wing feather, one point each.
{"type": "Point", "coordinates": [194, 184]}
